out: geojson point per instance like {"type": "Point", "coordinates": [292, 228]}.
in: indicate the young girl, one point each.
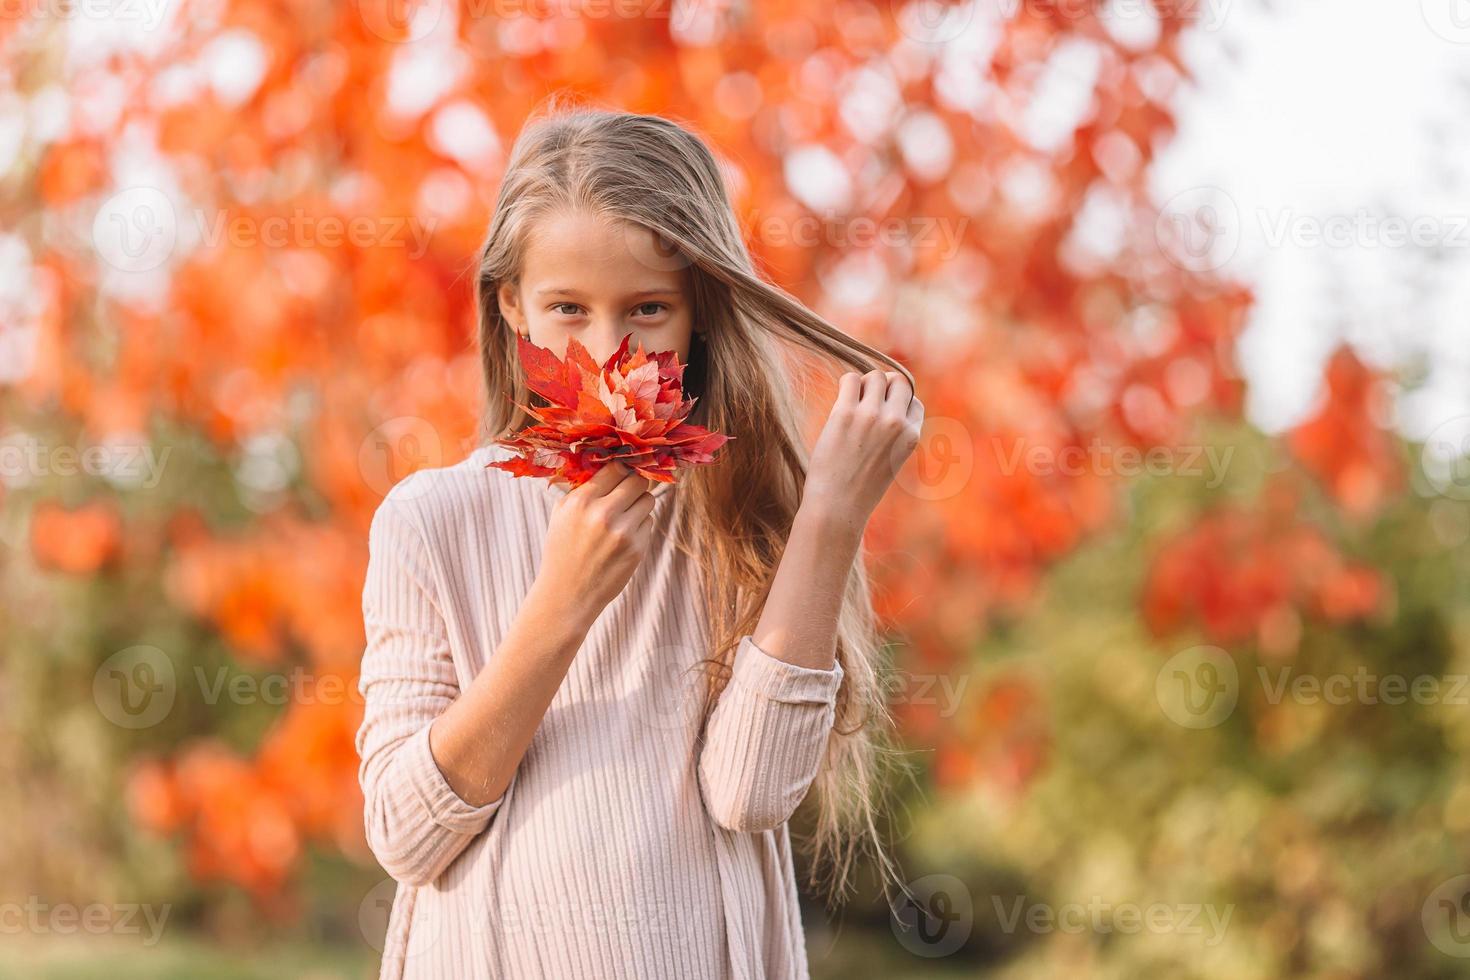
{"type": "Point", "coordinates": [590, 713]}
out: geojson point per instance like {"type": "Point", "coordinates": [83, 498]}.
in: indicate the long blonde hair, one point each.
{"type": "Point", "coordinates": [653, 172]}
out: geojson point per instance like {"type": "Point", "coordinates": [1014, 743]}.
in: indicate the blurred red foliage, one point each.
{"type": "Point", "coordinates": [1253, 574]}
{"type": "Point", "coordinates": [1022, 331]}
{"type": "Point", "coordinates": [1346, 445]}
{"type": "Point", "coordinates": [78, 541]}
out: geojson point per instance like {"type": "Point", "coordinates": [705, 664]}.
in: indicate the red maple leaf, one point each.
{"type": "Point", "coordinates": [631, 409]}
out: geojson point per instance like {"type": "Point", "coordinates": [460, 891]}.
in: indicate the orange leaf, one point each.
{"type": "Point", "coordinates": [632, 409]}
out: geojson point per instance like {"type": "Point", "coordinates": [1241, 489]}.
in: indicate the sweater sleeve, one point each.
{"type": "Point", "coordinates": [765, 739]}
{"type": "Point", "coordinates": [415, 823]}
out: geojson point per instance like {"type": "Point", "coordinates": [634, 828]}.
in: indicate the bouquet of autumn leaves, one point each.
{"type": "Point", "coordinates": [630, 409]}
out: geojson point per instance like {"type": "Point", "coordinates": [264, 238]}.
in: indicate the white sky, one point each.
{"type": "Point", "coordinates": [1346, 110]}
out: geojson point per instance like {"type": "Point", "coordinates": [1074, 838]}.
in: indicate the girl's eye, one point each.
{"type": "Point", "coordinates": [649, 309]}
{"type": "Point", "coordinates": [567, 309]}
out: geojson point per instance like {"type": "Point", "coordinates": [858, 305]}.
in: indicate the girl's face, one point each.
{"type": "Point", "coordinates": [583, 277]}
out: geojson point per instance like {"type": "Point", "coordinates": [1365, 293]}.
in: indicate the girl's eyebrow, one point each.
{"type": "Point", "coordinates": [567, 291]}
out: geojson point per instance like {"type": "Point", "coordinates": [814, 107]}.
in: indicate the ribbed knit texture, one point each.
{"type": "Point", "coordinates": [628, 845]}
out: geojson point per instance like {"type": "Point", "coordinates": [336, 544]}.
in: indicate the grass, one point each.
{"type": "Point", "coordinates": [858, 955]}
{"type": "Point", "coordinates": [89, 958]}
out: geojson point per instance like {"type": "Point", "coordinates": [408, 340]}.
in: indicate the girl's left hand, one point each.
{"type": "Point", "coordinates": [872, 430]}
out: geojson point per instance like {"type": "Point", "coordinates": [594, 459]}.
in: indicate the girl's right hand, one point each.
{"type": "Point", "coordinates": [873, 428]}
{"type": "Point", "coordinates": [599, 532]}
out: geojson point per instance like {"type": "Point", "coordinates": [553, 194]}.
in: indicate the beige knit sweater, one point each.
{"type": "Point", "coordinates": [629, 844]}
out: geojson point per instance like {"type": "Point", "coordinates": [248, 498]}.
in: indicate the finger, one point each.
{"type": "Point", "coordinates": [630, 489]}
{"type": "Point", "coordinates": [640, 512]}
{"type": "Point", "coordinates": [849, 389]}
{"type": "Point", "coordinates": [899, 395]}
{"type": "Point", "coordinates": [899, 389]}
{"type": "Point", "coordinates": [603, 481]}
{"type": "Point", "coordinates": [915, 413]}
{"type": "Point", "coordinates": [875, 387]}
